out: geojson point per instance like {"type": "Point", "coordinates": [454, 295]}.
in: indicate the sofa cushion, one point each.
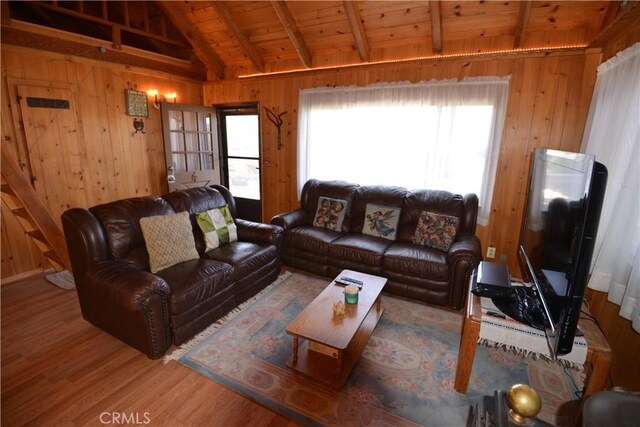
{"type": "Point", "coordinates": [310, 239]}
{"type": "Point", "coordinates": [418, 201]}
{"type": "Point", "coordinates": [194, 200]}
{"type": "Point", "coordinates": [419, 261]}
{"type": "Point", "coordinates": [245, 257]}
{"type": "Point", "coordinates": [217, 227]}
{"type": "Point", "coordinates": [169, 240]}
{"type": "Point", "coordinates": [354, 249]}
{"type": "Point", "coordinates": [330, 213]}
{"type": "Point", "coordinates": [342, 190]}
{"type": "Point", "coordinates": [194, 282]}
{"type": "Point", "coordinates": [381, 221]}
{"type": "Point", "coordinates": [121, 221]}
{"type": "Point", "coordinates": [436, 230]}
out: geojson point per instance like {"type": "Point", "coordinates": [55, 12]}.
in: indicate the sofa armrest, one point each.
{"type": "Point", "coordinates": [119, 283]}
{"type": "Point", "coordinates": [128, 303]}
{"type": "Point", "coordinates": [464, 255]}
{"type": "Point", "coordinates": [86, 240]}
{"type": "Point", "coordinates": [289, 220]}
{"type": "Point", "coordinates": [466, 245]}
{"type": "Point", "coordinates": [259, 232]}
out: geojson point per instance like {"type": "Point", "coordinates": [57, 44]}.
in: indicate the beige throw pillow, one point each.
{"type": "Point", "coordinates": [169, 240]}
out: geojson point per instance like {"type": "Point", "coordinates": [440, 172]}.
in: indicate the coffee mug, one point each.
{"type": "Point", "coordinates": [351, 294]}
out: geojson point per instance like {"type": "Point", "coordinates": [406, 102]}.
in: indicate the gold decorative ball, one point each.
{"type": "Point", "coordinates": [524, 402]}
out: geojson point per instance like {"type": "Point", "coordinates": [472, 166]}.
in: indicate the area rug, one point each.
{"type": "Point", "coordinates": [62, 279]}
{"type": "Point", "coordinates": [405, 375]}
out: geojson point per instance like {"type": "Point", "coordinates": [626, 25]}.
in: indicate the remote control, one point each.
{"type": "Point", "coordinates": [346, 281]}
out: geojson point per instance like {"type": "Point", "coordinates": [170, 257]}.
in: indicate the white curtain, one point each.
{"type": "Point", "coordinates": [442, 135]}
{"type": "Point", "coordinates": [613, 135]}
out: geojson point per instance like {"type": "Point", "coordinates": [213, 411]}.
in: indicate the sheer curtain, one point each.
{"type": "Point", "coordinates": [441, 135]}
{"type": "Point", "coordinates": [613, 135]}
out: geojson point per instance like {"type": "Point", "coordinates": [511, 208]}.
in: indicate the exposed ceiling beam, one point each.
{"type": "Point", "coordinates": [291, 28]}
{"type": "Point", "coordinates": [612, 12]}
{"type": "Point", "coordinates": [627, 16]}
{"type": "Point", "coordinates": [357, 29]}
{"type": "Point", "coordinates": [436, 26]}
{"type": "Point", "coordinates": [234, 27]}
{"type": "Point", "coordinates": [201, 47]}
{"type": "Point", "coordinates": [523, 20]}
{"type": "Point", "coordinates": [43, 38]}
{"type": "Point", "coordinates": [5, 13]}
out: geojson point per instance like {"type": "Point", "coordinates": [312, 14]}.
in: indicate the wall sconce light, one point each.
{"type": "Point", "coordinates": [167, 97]}
{"type": "Point", "coordinates": [154, 93]}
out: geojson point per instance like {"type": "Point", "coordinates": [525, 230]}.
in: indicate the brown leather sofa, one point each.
{"type": "Point", "coordinates": [414, 271]}
{"type": "Point", "coordinates": [119, 294]}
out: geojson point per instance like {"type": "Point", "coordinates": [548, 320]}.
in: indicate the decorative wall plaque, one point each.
{"type": "Point", "coordinates": [137, 104]}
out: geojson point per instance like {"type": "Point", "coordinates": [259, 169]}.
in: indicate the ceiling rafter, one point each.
{"type": "Point", "coordinates": [523, 20]}
{"type": "Point", "coordinates": [201, 47]}
{"type": "Point", "coordinates": [436, 26]}
{"type": "Point", "coordinates": [612, 12]}
{"type": "Point", "coordinates": [628, 12]}
{"type": "Point", "coordinates": [359, 35]}
{"type": "Point", "coordinates": [291, 28]}
{"type": "Point", "coordinates": [235, 28]}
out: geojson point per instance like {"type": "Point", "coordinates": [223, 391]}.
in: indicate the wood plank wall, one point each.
{"type": "Point", "coordinates": [624, 341]}
{"type": "Point", "coordinates": [549, 100]}
{"type": "Point", "coordinates": [548, 104]}
{"type": "Point", "coordinates": [115, 162]}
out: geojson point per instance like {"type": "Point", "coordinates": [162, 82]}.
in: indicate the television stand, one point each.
{"type": "Point", "coordinates": [524, 307]}
{"type": "Point", "coordinates": [598, 351]}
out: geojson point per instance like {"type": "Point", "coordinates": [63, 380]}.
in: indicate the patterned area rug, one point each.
{"type": "Point", "coordinates": [62, 279]}
{"type": "Point", "coordinates": [405, 375]}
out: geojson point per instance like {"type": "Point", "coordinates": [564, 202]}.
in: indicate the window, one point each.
{"type": "Point", "coordinates": [438, 135]}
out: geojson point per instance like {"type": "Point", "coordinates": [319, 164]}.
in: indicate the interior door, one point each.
{"type": "Point", "coordinates": [191, 145]}
{"type": "Point", "coordinates": [54, 146]}
{"type": "Point", "coordinates": [240, 136]}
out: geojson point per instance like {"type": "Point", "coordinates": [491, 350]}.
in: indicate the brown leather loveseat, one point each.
{"type": "Point", "coordinates": [151, 311]}
{"type": "Point", "coordinates": [379, 235]}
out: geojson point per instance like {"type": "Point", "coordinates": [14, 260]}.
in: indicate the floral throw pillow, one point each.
{"type": "Point", "coordinates": [330, 213]}
{"type": "Point", "coordinates": [436, 230]}
{"type": "Point", "coordinates": [217, 226]}
{"type": "Point", "coordinates": [381, 221]}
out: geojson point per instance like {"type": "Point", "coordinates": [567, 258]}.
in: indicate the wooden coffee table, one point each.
{"type": "Point", "coordinates": [333, 344]}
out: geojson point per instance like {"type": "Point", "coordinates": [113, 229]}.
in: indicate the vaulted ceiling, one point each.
{"type": "Point", "coordinates": [227, 39]}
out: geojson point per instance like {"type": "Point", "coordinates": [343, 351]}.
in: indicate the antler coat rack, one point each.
{"type": "Point", "coordinates": [277, 121]}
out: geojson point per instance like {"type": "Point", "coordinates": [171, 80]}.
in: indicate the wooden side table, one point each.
{"type": "Point", "coordinates": [598, 351]}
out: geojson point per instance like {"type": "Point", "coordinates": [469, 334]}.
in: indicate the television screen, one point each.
{"type": "Point", "coordinates": [558, 234]}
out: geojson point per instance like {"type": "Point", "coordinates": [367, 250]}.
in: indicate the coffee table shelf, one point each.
{"type": "Point", "coordinates": [339, 340]}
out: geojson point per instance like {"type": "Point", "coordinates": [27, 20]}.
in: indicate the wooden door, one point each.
{"type": "Point", "coordinates": [240, 140]}
{"type": "Point", "coordinates": [191, 145]}
{"type": "Point", "coordinates": [54, 146]}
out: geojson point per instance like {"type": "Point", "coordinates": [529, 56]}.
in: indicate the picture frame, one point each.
{"type": "Point", "coordinates": [137, 103]}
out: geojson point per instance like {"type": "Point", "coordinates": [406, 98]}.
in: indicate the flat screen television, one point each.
{"type": "Point", "coordinates": [557, 239]}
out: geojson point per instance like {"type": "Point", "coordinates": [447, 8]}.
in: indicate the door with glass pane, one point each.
{"type": "Point", "coordinates": [191, 145]}
{"type": "Point", "coordinates": [240, 136]}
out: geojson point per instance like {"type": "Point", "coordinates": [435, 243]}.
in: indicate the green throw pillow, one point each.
{"type": "Point", "coordinates": [217, 226]}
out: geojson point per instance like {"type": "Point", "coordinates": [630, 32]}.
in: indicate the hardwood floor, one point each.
{"type": "Point", "coordinates": [58, 369]}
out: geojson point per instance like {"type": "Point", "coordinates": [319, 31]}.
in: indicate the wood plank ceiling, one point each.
{"type": "Point", "coordinates": [240, 38]}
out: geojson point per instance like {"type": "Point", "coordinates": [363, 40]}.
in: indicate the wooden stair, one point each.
{"type": "Point", "coordinates": [32, 214]}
